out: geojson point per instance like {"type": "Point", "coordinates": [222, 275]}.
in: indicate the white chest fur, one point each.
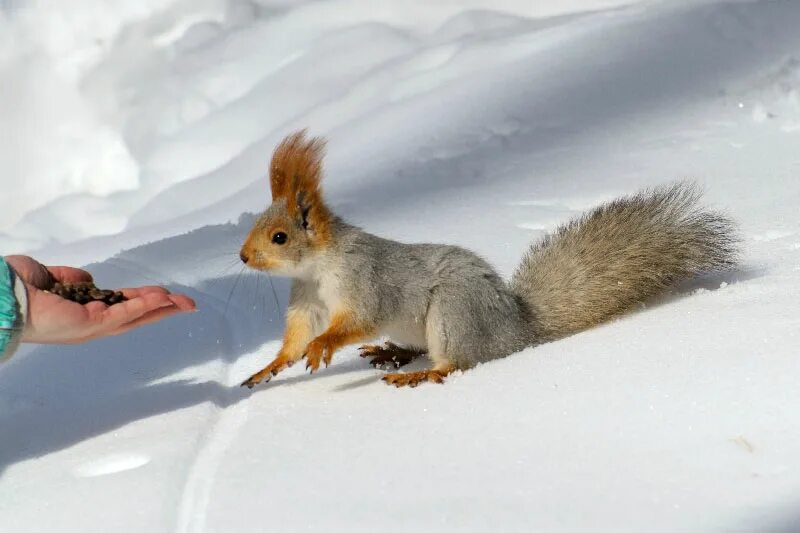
{"type": "Point", "coordinates": [328, 290]}
{"type": "Point", "coordinates": [410, 333]}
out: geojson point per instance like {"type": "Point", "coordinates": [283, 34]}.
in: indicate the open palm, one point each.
{"type": "Point", "coordinates": [52, 319]}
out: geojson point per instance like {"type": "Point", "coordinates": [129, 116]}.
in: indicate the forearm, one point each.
{"type": "Point", "coordinates": [297, 335]}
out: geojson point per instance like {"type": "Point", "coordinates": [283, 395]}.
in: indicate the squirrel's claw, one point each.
{"type": "Point", "coordinates": [312, 365]}
{"type": "Point", "coordinates": [251, 382]}
{"type": "Point", "coordinates": [257, 378]}
{"type": "Point", "coordinates": [317, 352]}
{"type": "Point", "coordinates": [308, 362]}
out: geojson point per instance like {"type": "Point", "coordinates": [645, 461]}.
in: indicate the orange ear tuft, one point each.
{"type": "Point", "coordinates": [296, 166]}
{"type": "Point", "coordinates": [294, 175]}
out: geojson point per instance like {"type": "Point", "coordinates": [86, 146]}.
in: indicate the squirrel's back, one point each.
{"type": "Point", "coordinates": [619, 255]}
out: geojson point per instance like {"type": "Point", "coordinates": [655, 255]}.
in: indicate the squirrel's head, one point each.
{"type": "Point", "coordinates": [296, 227]}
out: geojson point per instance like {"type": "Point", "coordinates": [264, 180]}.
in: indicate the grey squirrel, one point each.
{"type": "Point", "coordinates": [349, 286]}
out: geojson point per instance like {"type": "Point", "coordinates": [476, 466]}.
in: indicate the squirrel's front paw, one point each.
{"type": "Point", "coordinates": [266, 373]}
{"type": "Point", "coordinates": [318, 351]}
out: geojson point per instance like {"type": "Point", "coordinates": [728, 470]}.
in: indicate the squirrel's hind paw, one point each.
{"type": "Point", "coordinates": [388, 355]}
{"type": "Point", "coordinates": [412, 379]}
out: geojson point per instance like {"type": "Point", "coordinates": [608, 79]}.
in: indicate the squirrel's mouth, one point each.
{"type": "Point", "coordinates": [275, 266]}
{"type": "Point", "coordinates": [264, 263]}
{"type": "Point", "coordinates": [256, 260]}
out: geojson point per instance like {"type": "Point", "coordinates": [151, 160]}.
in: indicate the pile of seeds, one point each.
{"type": "Point", "coordinates": [86, 292]}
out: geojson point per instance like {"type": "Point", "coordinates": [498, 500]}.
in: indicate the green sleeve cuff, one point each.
{"type": "Point", "coordinates": [13, 304]}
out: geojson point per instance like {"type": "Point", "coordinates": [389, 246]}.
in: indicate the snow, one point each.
{"type": "Point", "coordinates": [135, 140]}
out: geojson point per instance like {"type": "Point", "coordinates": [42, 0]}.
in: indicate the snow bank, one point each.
{"type": "Point", "coordinates": [132, 98]}
{"type": "Point", "coordinates": [476, 123]}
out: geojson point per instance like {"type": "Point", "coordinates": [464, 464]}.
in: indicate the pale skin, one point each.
{"type": "Point", "coordinates": [54, 320]}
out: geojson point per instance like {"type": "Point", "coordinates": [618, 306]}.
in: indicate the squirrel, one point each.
{"type": "Point", "coordinates": [350, 286]}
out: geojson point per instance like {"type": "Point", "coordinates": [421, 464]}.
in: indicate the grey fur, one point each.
{"type": "Point", "coordinates": [443, 299]}
{"type": "Point", "coordinates": [620, 255]}
{"type": "Point", "coordinates": [450, 302]}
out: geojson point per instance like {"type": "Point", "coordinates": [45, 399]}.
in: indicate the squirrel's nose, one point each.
{"type": "Point", "coordinates": [243, 257]}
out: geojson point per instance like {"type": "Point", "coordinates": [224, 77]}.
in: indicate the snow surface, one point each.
{"type": "Point", "coordinates": [135, 139]}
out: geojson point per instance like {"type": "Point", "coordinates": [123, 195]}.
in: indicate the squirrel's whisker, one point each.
{"type": "Point", "coordinates": [274, 295]}
{"type": "Point", "coordinates": [233, 289]}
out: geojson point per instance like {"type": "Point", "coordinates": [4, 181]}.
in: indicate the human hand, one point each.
{"type": "Point", "coordinates": [52, 319]}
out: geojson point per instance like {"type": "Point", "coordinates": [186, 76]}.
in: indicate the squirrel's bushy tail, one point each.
{"type": "Point", "coordinates": [621, 254]}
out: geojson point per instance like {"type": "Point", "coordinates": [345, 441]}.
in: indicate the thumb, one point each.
{"type": "Point", "coordinates": [66, 274]}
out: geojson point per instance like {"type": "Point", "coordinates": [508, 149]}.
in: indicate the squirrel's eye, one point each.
{"type": "Point", "coordinates": [279, 238]}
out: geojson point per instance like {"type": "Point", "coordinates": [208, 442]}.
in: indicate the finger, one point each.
{"type": "Point", "coordinates": [183, 302]}
{"type": "Point", "coordinates": [117, 315]}
{"type": "Point", "coordinates": [147, 318]}
{"type": "Point", "coordinates": [66, 274]}
{"type": "Point", "coordinates": [180, 303]}
{"type": "Point", "coordinates": [135, 292]}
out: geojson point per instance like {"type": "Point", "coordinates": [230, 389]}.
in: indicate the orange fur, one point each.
{"type": "Point", "coordinates": [295, 337]}
{"type": "Point", "coordinates": [343, 330]}
{"type": "Point", "coordinates": [250, 248]}
{"type": "Point", "coordinates": [278, 365]}
{"type": "Point", "coordinates": [297, 333]}
{"type": "Point", "coordinates": [296, 163]}
{"type": "Point", "coordinates": [412, 379]}
{"type": "Point", "coordinates": [257, 240]}
{"type": "Point", "coordinates": [294, 175]}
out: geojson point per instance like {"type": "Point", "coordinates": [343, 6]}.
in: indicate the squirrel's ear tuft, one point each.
{"type": "Point", "coordinates": [296, 166]}
{"type": "Point", "coordinates": [294, 175]}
